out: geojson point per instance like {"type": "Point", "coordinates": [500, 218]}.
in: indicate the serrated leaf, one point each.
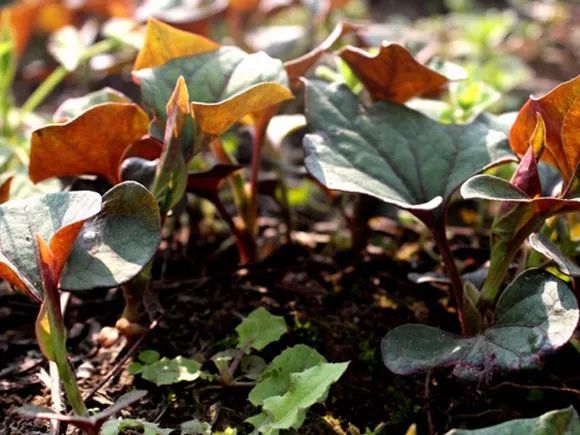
{"type": "Point", "coordinates": [391, 152]}
{"type": "Point", "coordinates": [306, 389]}
{"type": "Point", "coordinates": [275, 380]}
{"type": "Point", "coordinates": [115, 427]}
{"type": "Point", "coordinates": [164, 42]}
{"type": "Point", "coordinates": [259, 329]}
{"type": "Point", "coordinates": [56, 217]}
{"type": "Point", "coordinates": [171, 371]}
{"type": "Point", "coordinates": [536, 314]}
{"type": "Point", "coordinates": [558, 422]}
{"type": "Point", "coordinates": [117, 243]}
{"type": "Point", "coordinates": [392, 74]}
{"type": "Point", "coordinates": [73, 107]}
{"type": "Point", "coordinates": [92, 143]}
{"type": "Point", "coordinates": [560, 110]}
{"type": "Point", "coordinates": [549, 249]}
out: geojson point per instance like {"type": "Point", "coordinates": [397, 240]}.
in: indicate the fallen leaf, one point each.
{"type": "Point", "coordinates": [392, 74]}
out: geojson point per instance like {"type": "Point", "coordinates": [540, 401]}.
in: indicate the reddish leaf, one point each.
{"type": "Point", "coordinates": [92, 143]}
{"type": "Point", "coordinates": [206, 183]}
{"type": "Point", "coordinates": [560, 110]}
{"type": "Point", "coordinates": [392, 74]}
{"type": "Point", "coordinates": [299, 66]}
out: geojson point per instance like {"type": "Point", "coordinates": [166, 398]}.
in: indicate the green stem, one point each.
{"type": "Point", "coordinates": [59, 74]}
{"type": "Point", "coordinates": [502, 255]}
{"type": "Point", "coordinates": [58, 334]}
{"type": "Point", "coordinates": [133, 293]}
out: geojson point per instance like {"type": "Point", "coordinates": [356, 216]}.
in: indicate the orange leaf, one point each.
{"type": "Point", "coordinates": [215, 118]}
{"type": "Point", "coordinates": [392, 74]}
{"type": "Point", "coordinates": [560, 110]}
{"type": "Point", "coordinates": [177, 107]}
{"type": "Point", "coordinates": [164, 42]}
{"type": "Point", "coordinates": [296, 68]}
{"type": "Point", "coordinates": [21, 17]}
{"type": "Point", "coordinates": [5, 190]}
{"type": "Point", "coordinates": [244, 5]}
{"type": "Point", "coordinates": [92, 143]}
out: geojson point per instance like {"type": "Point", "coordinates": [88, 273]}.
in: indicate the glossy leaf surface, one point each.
{"type": "Point", "coordinates": [559, 422]}
{"type": "Point", "coordinates": [560, 111]}
{"type": "Point", "coordinates": [391, 152]}
{"type": "Point", "coordinates": [549, 249]}
{"type": "Point", "coordinates": [114, 246]}
{"type": "Point", "coordinates": [92, 143]}
{"type": "Point", "coordinates": [392, 74]}
{"type": "Point", "coordinates": [535, 314]}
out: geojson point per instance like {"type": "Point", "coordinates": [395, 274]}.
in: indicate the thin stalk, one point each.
{"type": "Point", "coordinates": [58, 334]}
{"type": "Point", "coordinates": [437, 227]}
{"type": "Point", "coordinates": [133, 293]}
{"type": "Point", "coordinates": [59, 74]}
{"type": "Point", "coordinates": [244, 241]}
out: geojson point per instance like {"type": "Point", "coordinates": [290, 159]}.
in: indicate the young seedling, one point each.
{"type": "Point", "coordinates": [75, 241]}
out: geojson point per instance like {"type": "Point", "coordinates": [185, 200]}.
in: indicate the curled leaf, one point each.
{"type": "Point", "coordinates": [560, 111]}
{"type": "Point", "coordinates": [392, 74]}
{"type": "Point", "coordinates": [92, 143]}
{"type": "Point", "coordinates": [206, 183]}
{"type": "Point", "coordinates": [549, 249]}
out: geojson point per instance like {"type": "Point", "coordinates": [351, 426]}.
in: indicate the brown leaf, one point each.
{"type": "Point", "coordinates": [164, 42]}
{"type": "Point", "coordinates": [392, 74]}
{"type": "Point", "coordinates": [296, 68]}
{"type": "Point", "coordinates": [560, 110]}
{"type": "Point", "coordinates": [5, 190]}
{"type": "Point", "coordinates": [92, 143]}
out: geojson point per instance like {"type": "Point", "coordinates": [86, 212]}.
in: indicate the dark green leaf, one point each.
{"type": "Point", "coordinates": [391, 152]}
{"type": "Point", "coordinates": [549, 249]}
{"type": "Point", "coordinates": [118, 242]}
{"type": "Point", "coordinates": [536, 314]}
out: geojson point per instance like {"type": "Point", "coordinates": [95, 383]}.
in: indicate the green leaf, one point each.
{"type": "Point", "coordinates": [549, 249]}
{"type": "Point", "coordinates": [195, 427]}
{"type": "Point", "coordinates": [171, 371]}
{"type": "Point", "coordinates": [535, 314]}
{"type": "Point", "coordinates": [211, 78]}
{"type": "Point", "coordinates": [115, 427]}
{"type": "Point", "coordinates": [305, 389]}
{"type": "Point", "coordinates": [118, 242]}
{"type": "Point", "coordinates": [275, 380]}
{"type": "Point", "coordinates": [391, 152]}
{"type": "Point", "coordinates": [491, 187]}
{"type": "Point", "coordinates": [260, 329]}
{"type": "Point", "coordinates": [149, 356]}
{"type": "Point", "coordinates": [558, 422]}
{"type": "Point", "coordinates": [73, 107]}
{"type": "Point", "coordinates": [46, 216]}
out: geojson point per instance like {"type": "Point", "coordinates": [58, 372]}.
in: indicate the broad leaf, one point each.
{"type": "Point", "coordinates": [305, 389]}
{"type": "Point", "coordinates": [56, 217]}
{"type": "Point", "coordinates": [260, 329]}
{"type": "Point", "coordinates": [92, 143]}
{"type": "Point", "coordinates": [535, 314]}
{"type": "Point", "coordinates": [73, 107]}
{"type": "Point", "coordinates": [116, 427]}
{"type": "Point", "coordinates": [225, 85]}
{"type": "Point", "coordinates": [164, 43]}
{"type": "Point", "coordinates": [118, 242]}
{"type": "Point", "coordinates": [549, 249]}
{"type": "Point", "coordinates": [169, 371]}
{"type": "Point", "coordinates": [560, 110]}
{"type": "Point", "coordinates": [559, 422]}
{"type": "Point", "coordinates": [206, 183]}
{"type": "Point", "coordinates": [392, 74]}
{"type": "Point", "coordinates": [391, 152]}
{"type": "Point", "coordinates": [275, 380]}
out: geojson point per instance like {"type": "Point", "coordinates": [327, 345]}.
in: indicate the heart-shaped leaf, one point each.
{"type": "Point", "coordinates": [392, 74]}
{"type": "Point", "coordinates": [164, 42]}
{"type": "Point", "coordinates": [56, 217]}
{"type": "Point", "coordinates": [558, 422]}
{"type": "Point", "coordinates": [560, 110]}
{"type": "Point", "coordinates": [92, 143]}
{"type": "Point", "coordinates": [535, 314]}
{"type": "Point", "coordinates": [117, 243]}
{"type": "Point", "coordinates": [391, 152]}
{"type": "Point", "coordinates": [549, 249]}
